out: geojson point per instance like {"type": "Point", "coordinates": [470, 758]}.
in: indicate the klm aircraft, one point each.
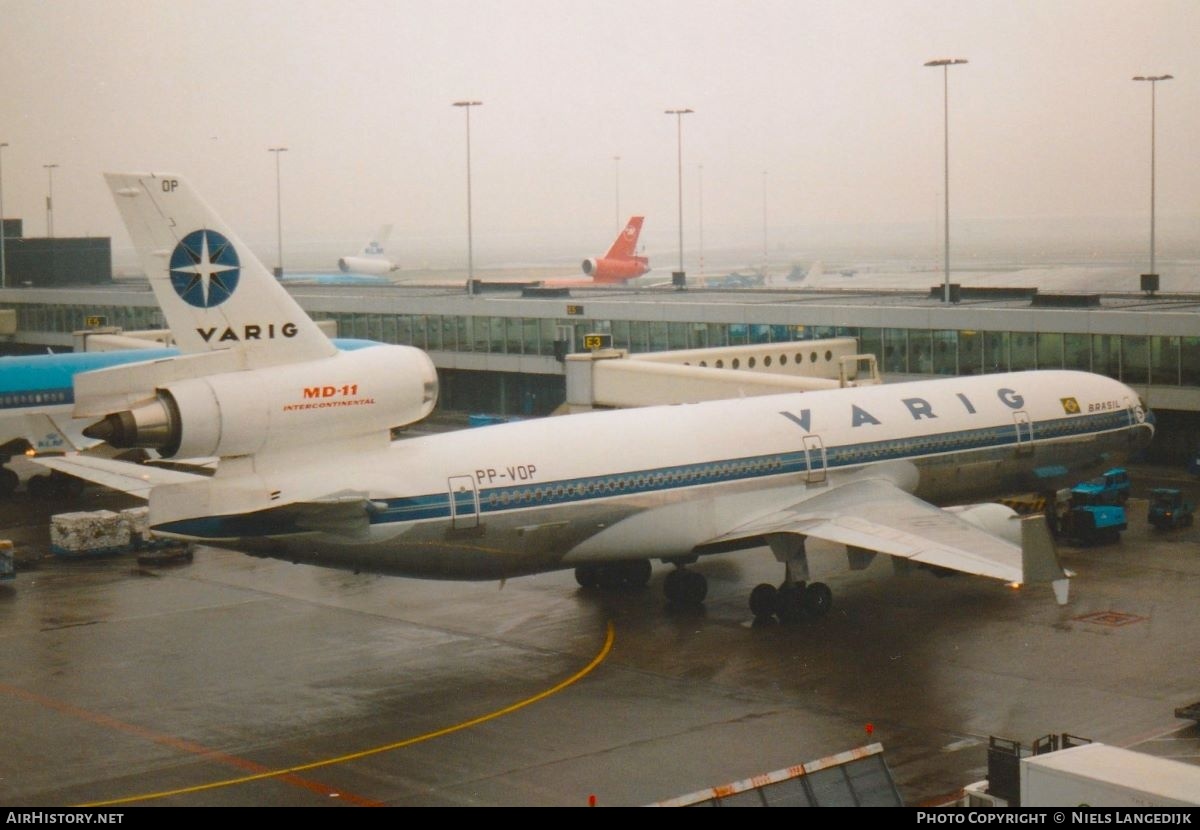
{"type": "Point", "coordinates": [370, 266]}
{"type": "Point", "coordinates": [36, 399]}
{"type": "Point", "coordinates": [308, 473]}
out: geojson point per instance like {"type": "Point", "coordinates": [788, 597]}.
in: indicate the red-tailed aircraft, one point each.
{"type": "Point", "coordinates": [619, 265]}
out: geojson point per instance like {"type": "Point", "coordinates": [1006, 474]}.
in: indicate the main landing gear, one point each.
{"type": "Point", "coordinates": [681, 586]}
{"type": "Point", "coordinates": [614, 576]}
{"type": "Point", "coordinates": [796, 598]}
{"type": "Point", "coordinates": [791, 602]}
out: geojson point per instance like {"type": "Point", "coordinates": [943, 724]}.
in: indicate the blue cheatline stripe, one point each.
{"type": "Point", "coordinates": [46, 380]}
{"type": "Point", "coordinates": [572, 491]}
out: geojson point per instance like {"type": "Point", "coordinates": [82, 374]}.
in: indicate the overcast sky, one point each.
{"type": "Point", "coordinates": [829, 98]}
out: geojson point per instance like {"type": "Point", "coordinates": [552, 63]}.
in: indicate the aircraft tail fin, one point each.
{"type": "Point", "coordinates": [796, 276]}
{"type": "Point", "coordinates": [625, 245]}
{"type": "Point", "coordinates": [213, 291]}
{"type": "Point", "coordinates": [375, 245]}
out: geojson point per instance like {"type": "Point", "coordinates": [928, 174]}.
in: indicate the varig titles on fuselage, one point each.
{"type": "Point", "coordinates": [921, 409]}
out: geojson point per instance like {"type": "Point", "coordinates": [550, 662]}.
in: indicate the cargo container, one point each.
{"type": "Point", "coordinates": [1098, 775]}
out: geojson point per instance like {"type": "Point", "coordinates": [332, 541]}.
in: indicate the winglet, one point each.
{"type": "Point", "coordinates": [1039, 558]}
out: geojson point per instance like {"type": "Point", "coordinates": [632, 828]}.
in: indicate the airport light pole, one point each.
{"type": "Point", "coordinates": [678, 277]}
{"type": "Point", "coordinates": [50, 199]}
{"type": "Point", "coordinates": [945, 64]}
{"type": "Point", "coordinates": [764, 194]}
{"type": "Point", "coordinates": [278, 213]}
{"type": "Point", "coordinates": [700, 211]}
{"type": "Point", "coordinates": [1153, 79]}
{"type": "Point", "coordinates": [3, 261]}
{"type": "Point", "coordinates": [466, 105]}
{"type": "Point", "coordinates": [617, 180]}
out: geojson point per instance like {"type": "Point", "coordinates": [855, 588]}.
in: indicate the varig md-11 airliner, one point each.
{"type": "Point", "coordinates": [308, 472]}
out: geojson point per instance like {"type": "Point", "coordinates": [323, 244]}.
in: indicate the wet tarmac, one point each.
{"type": "Point", "coordinates": [237, 681]}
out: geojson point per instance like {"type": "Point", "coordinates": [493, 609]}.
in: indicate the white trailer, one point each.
{"type": "Point", "coordinates": [1098, 775]}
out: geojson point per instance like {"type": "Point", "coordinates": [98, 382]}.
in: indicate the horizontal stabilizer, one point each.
{"type": "Point", "coordinates": [135, 479]}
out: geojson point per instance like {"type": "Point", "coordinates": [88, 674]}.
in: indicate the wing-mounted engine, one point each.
{"type": "Point", "coordinates": [996, 519]}
{"type": "Point", "coordinates": [365, 265]}
{"type": "Point", "coordinates": [348, 395]}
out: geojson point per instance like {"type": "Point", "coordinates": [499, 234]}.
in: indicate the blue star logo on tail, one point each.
{"type": "Point", "coordinates": [204, 269]}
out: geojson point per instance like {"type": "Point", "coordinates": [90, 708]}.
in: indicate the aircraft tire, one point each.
{"type": "Point", "coordinates": [588, 576]}
{"type": "Point", "coordinates": [671, 585]}
{"type": "Point", "coordinates": [40, 487]}
{"type": "Point", "coordinates": [685, 588]}
{"type": "Point", "coordinates": [637, 572]}
{"type": "Point", "coordinates": [611, 576]}
{"type": "Point", "coordinates": [763, 601]}
{"type": "Point", "coordinates": [694, 588]}
{"type": "Point", "coordinates": [789, 603]}
{"type": "Point", "coordinates": [9, 482]}
{"type": "Point", "coordinates": [818, 599]}
{"type": "Point", "coordinates": [63, 486]}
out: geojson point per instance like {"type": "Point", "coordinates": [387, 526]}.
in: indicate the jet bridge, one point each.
{"type": "Point", "coordinates": [607, 378]}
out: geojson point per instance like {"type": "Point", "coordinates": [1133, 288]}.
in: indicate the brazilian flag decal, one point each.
{"type": "Point", "coordinates": [1070, 406]}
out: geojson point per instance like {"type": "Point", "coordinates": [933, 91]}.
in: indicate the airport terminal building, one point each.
{"type": "Point", "coordinates": [500, 351]}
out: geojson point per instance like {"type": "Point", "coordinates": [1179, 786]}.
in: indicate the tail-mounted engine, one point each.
{"type": "Point", "coordinates": [350, 394]}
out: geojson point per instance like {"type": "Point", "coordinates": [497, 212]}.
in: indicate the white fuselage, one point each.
{"type": "Point", "coordinates": [661, 482]}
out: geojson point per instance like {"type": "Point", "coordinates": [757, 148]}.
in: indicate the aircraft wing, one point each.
{"type": "Point", "coordinates": [876, 515]}
{"type": "Point", "coordinates": [134, 479]}
{"type": "Point", "coordinates": [342, 513]}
